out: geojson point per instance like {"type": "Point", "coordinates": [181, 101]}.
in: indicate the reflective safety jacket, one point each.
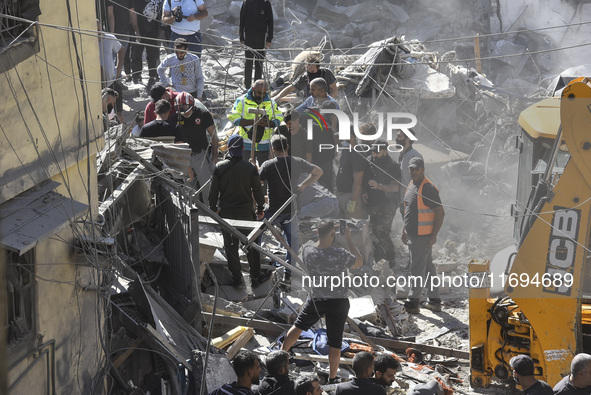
{"type": "Point", "coordinates": [240, 112]}
{"type": "Point", "coordinates": [426, 215]}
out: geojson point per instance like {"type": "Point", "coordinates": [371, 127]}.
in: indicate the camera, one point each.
{"type": "Point", "coordinates": [178, 14]}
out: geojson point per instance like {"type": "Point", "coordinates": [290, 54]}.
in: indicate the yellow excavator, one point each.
{"type": "Point", "coordinates": [531, 299]}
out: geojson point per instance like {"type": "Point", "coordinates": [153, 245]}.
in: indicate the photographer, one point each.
{"type": "Point", "coordinates": [185, 17]}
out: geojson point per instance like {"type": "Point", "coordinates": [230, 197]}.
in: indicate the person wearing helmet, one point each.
{"type": "Point", "coordinates": [194, 123]}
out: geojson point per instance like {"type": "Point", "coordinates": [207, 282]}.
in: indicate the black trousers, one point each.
{"type": "Point", "coordinates": [254, 41]}
{"type": "Point", "coordinates": [149, 42]}
{"type": "Point", "coordinates": [231, 244]}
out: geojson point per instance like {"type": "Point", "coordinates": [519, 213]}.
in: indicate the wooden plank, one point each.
{"type": "Point", "coordinates": [123, 357]}
{"type": "Point", "coordinates": [385, 311]}
{"type": "Point", "coordinates": [240, 224]}
{"type": "Point", "coordinates": [277, 328]}
{"type": "Point", "coordinates": [265, 326]}
{"type": "Point", "coordinates": [402, 345]}
{"type": "Point", "coordinates": [477, 53]}
{"type": "Point", "coordinates": [240, 342]}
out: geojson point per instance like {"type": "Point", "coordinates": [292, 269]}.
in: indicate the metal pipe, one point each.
{"type": "Point", "coordinates": [210, 331]}
{"type": "Point", "coordinates": [48, 349]}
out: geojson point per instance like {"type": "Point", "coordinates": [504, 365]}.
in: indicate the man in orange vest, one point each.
{"type": "Point", "coordinates": [423, 217]}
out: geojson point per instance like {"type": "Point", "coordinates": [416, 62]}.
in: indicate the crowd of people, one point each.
{"type": "Point", "coordinates": [272, 152]}
{"type": "Point", "coordinates": [375, 373]}
{"type": "Point", "coordinates": [372, 376]}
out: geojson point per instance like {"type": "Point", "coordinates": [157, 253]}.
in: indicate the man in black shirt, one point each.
{"type": "Point", "coordinates": [385, 368]}
{"type": "Point", "coordinates": [277, 381]}
{"type": "Point", "coordinates": [160, 126]}
{"type": "Point", "coordinates": [123, 23]}
{"type": "Point", "coordinates": [148, 20]}
{"type": "Point", "coordinates": [423, 217]}
{"type": "Point", "coordinates": [256, 32]}
{"type": "Point", "coordinates": [381, 183]}
{"type": "Point", "coordinates": [235, 182]}
{"type": "Point", "coordinates": [295, 134]}
{"type": "Point", "coordinates": [578, 382]}
{"type": "Point", "coordinates": [282, 174]}
{"type": "Point", "coordinates": [194, 122]}
{"type": "Point", "coordinates": [523, 373]}
{"type": "Point", "coordinates": [247, 368]}
{"type": "Point", "coordinates": [362, 384]}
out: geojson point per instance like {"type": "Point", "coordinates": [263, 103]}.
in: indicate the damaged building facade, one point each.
{"type": "Point", "coordinates": [53, 317]}
{"type": "Point", "coordinates": [113, 269]}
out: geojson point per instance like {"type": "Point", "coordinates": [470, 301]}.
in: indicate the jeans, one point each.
{"type": "Point", "coordinates": [289, 224]}
{"type": "Point", "coordinates": [324, 207]}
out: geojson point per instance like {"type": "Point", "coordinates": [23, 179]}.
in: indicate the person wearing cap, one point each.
{"type": "Point", "coordinates": [407, 153]}
{"type": "Point", "coordinates": [523, 373]}
{"type": "Point", "coordinates": [381, 185]}
{"type": "Point", "coordinates": [313, 71]}
{"type": "Point", "coordinates": [185, 70]}
{"type": "Point", "coordinates": [579, 379]}
{"type": "Point", "coordinates": [423, 217]}
{"type": "Point", "coordinates": [157, 92]}
{"type": "Point", "coordinates": [234, 183]}
{"type": "Point", "coordinates": [256, 33]}
{"type": "Point", "coordinates": [256, 98]}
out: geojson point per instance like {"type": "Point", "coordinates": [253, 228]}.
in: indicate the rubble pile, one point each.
{"type": "Point", "coordinates": [386, 57]}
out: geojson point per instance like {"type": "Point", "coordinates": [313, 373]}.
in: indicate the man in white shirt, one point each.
{"type": "Point", "coordinates": [185, 17]}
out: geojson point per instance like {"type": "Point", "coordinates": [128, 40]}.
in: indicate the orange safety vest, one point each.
{"type": "Point", "coordinates": [426, 215]}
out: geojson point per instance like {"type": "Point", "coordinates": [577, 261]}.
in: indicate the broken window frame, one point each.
{"type": "Point", "coordinates": [21, 287]}
{"type": "Point", "coordinates": [19, 40]}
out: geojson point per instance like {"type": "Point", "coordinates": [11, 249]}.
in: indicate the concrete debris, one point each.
{"type": "Point", "coordinates": [398, 67]}
{"type": "Point", "coordinates": [466, 112]}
